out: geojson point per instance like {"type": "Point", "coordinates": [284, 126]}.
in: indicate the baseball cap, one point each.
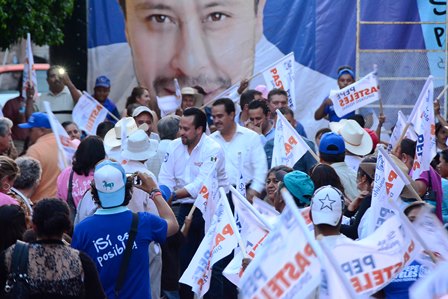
{"type": "Point", "coordinates": [140, 109]}
{"type": "Point", "coordinates": [327, 205]}
{"type": "Point", "coordinates": [331, 144]}
{"type": "Point", "coordinates": [102, 81]}
{"type": "Point", "coordinates": [37, 120]}
{"type": "Point", "coordinates": [110, 180]}
{"type": "Point", "coordinates": [299, 184]}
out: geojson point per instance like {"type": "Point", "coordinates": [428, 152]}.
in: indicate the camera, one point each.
{"type": "Point", "coordinates": [135, 179]}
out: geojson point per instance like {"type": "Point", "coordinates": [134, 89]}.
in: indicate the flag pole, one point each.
{"type": "Point", "coordinates": [189, 216]}
{"type": "Point", "coordinates": [375, 71]}
{"type": "Point", "coordinates": [92, 99]}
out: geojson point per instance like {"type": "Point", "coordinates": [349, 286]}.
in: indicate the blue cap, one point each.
{"type": "Point", "coordinates": [102, 81]}
{"type": "Point", "coordinates": [110, 182]}
{"type": "Point", "coordinates": [331, 144]}
{"type": "Point", "coordinates": [37, 120]}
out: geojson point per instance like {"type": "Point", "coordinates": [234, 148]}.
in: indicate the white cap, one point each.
{"type": "Point", "coordinates": [327, 205]}
{"type": "Point", "coordinates": [110, 180]}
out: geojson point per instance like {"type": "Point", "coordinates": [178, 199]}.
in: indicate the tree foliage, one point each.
{"type": "Point", "coordinates": [44, 19]}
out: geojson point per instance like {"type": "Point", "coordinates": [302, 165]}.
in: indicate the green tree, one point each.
{"type": "Point", "coordinates": [44, 19]}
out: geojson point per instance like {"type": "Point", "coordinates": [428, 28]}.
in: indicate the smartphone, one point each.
{"type": "Point", "coordinates": [135, 178]}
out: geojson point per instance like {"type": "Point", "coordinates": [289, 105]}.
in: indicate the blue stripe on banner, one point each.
{"type": "Point", "coordinates": [106, 23]}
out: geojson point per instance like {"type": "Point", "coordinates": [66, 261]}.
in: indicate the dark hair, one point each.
{"type": "Point", "coordinates": [284, 168]}
{"type": "Point", "coordinates": [200, 90]}
{"type": "Point", "coordinates": [51, 216]}
{"type": "Point", "coordinates": [407, 146]}
{"type": "Point", "coordinates": [65, 124]}
{"type": "Point", "coordinates": [359, 119]}
{"type": "Point", "coordinates": [361, 172]}
{"type": "Point", "coordinates": [439, 126]}
{"type": "Point", "coordinates": [248, 96]}
{"type": "Point", "coordinates": [131, 107]}
{"type": "Point", "coordinates": [90, 151]}
{"type": "Point", "coordinates": [332, 158]}
{"type": "Point", "coordinates": [344, 67]}
{"type": "Point", "coordinates": [286, 110]}
{"type": "Point", "coordinates": [127, 192]}
{"type": "Point", "coordinates": [321, 132]}
{"type": "Point", "coordinates": [323, 175]}
{"type": "Point", "coordinates": [229, 106]}
{"type": "Point", "coordinates": [200, 119]}
{"type": "Point", "coordinates": [52, 68]}
{"type": "Point", "coordinates": [136, 93]}
{"type": "Point", "coordinates": [13, 224]}
{"type": "Point", "coordinates": [255, 104]}
{"type": "Point", "coordinates": [444, 154]}
{"type": "Point", "coordinates": [277, 91]}
{"type": "Point", "coordinates": [103, 128]}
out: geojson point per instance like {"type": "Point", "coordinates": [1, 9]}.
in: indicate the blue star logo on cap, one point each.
{"type": "Point", "coordinates": [327, 203]}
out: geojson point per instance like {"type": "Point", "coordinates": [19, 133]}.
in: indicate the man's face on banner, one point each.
{"type": "Point", "coordinates": [210, 43]}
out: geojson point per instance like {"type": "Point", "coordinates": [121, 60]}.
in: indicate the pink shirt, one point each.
{"type": "Point", "coordinates": [80, 185]}
{"type": "Point", "coordinates": [7, 200]}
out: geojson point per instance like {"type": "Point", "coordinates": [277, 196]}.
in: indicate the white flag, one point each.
{"type": "Point", "coordinates": [388, 184]}
{"type": "Point", "coordinates": [219, 241]}
{"type": "Point", "coordinates": [398, 130]}
{"type": "Point", "coordinates": [208, 197]}
{"type": "Point", "coordinates": [289, 146]}
{"type": "Point", "coordinates": [285, 267]}
{"type": "Point", "coordinates": [29, 73]}
{"type": "Point", "coordinates": [241, 182]}
{"type": "Point", "coordinates": [433, 285]}
{"type": "Point", "coordinates": [88, 114]}
{"type": "Point", "coordinates": [66, 146]}
{"type": "Point", "coordinates": [266, 210]}
{"type": "Point", "coordinates": [371, 263]}
{"type": "Point", "coordinates": [431, 229]}
{"type": "Point", "coordinates": [253, 233]}
{"type": "Point", "coordinates": [422, 117]}
{"type": "Point", "coordinates": [356, 95]}
{"type": "Point", "coordinates": [281, 75]}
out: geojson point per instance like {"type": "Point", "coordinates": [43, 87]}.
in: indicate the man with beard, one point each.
{"type": "Point", "coordinates": [189, 160]}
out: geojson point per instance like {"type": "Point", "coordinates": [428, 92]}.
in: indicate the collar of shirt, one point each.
{"type": "Point", "coordinates": [111, 211]}
{"type": "Point", "coordinates": [64, 90]}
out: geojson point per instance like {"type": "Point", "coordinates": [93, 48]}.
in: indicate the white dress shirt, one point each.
{"type": "Point", "coordinates": [183, 170]}
{"type": "Point", "coordinates": [247, 144]}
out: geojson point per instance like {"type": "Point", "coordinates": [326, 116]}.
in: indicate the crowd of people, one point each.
{"type": "Point", "coordinates": [117, 222]}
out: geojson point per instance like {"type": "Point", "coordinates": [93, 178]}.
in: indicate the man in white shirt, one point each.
{"type": "Point", "coordinates": [189, 160]}
{"type": "Point", "coordinates": [260, 121]}
{"type": "Point", "coordinates": [62, 95]}
{"type": "Point", "coordinates": [244, 152]}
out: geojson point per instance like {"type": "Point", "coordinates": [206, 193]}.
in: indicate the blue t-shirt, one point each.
{"type": "Point", "coordinates": [332, 117]}
{"type": "Point", "coordinates": [103, 238]}
{"type": "Point", "coordinates": [445, 200]}
{"type": "Point", "coordinates": [399, 287]}
{"type": "Point", "coordinates": [109, 105]}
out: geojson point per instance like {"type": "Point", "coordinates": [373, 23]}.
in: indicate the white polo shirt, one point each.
{"type": "Point", "coordinates": [183, 170]}
{"type": "Point", "coordinates": [61, 104]}
{"type": "Point", "coordinates": [247, 147]}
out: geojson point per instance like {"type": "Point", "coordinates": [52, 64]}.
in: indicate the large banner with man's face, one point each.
{"type": "Point", "coordinates": [217, 43]}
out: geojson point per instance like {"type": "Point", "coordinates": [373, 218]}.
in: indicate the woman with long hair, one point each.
{"type": "Point", "coordinates": [8, 174]}
{"type": "Point", "coordinates": [54, 270]}
{"type": "Point", "coordinates": [74, 181]}
{"type": "Point", "coordinates": [140, 96]}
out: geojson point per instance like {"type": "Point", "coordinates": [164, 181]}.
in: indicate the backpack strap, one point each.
{"type": "Point", "coordinates": [126, 255]}
{"type": "Point", "coordinates": [70, 201]}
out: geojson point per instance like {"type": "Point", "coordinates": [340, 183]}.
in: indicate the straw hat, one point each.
{"type": "Point", "coordinates": [113, 136]}
{"type": "Point", "coordinates": [356, 139]}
